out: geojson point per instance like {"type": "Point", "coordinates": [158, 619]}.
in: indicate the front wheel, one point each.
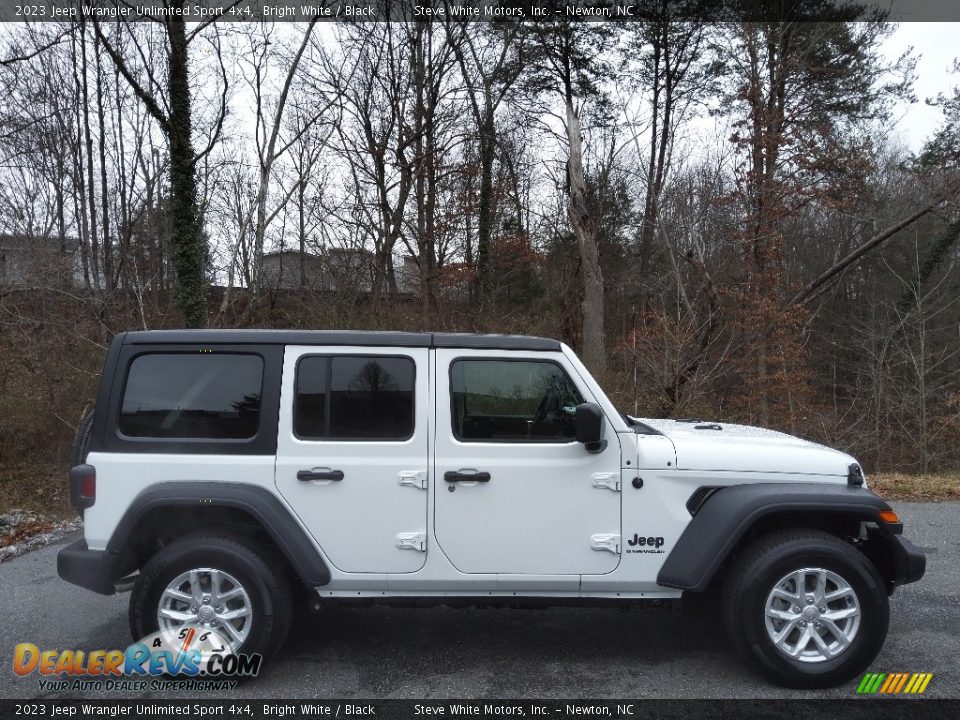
{"type": "Point", "coordinates": [214, 583]}
{"type": "Point", "coordinates": [808, 607]}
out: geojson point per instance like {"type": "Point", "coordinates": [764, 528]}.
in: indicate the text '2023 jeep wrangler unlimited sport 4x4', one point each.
{"type": "Point", "coordinates": [223, 471]}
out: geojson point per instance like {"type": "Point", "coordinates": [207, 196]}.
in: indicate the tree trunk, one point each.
{"type": "Point", "coordinates": [649, 204]}
{"type": "Point", "coordinates": [485, 201]}
{"type": "Point", "coordinates": [88, 145]}
{"type": "Point", "coordinates": [188, 247]}
{"type": "Point", "coordinates": [108, 274]}
{"type": "Point", "coordinates": [813, 289]}
{"type": "Point", "coordinates": [584, 227]}
{"type": "Point", "coordinates": [76, 150]}
{"type": "Point", "coordinates": [302, 227]}
{"type": "Point", "coordinates": [124, 234]}
{"type": "Point", "coordinates": [259, 229]}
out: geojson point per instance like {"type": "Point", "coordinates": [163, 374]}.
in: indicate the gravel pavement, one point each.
{"type": "Point", "coordinates": [499, 653]}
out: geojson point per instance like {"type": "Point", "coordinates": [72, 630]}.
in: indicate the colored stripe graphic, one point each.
{"type": "Point", "coordinates": [901, 682]}
{"type": "Point", "coordinates": [890, 681]}
{"type": "Point", "coordinates": [865, 683]}
{"type": "Point", "coordinates": [894, 683]}
{"type": "Point", "coordinates": [875, 685]}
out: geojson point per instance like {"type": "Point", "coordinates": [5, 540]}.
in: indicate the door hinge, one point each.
{"type": "Point", "coordinates": [414, 478]}
{"type": "Point", "coordinates": [610, 481]}
{"type": "Point", "coordinates": [606, 541]}
{"type": "Point", "coordinates": [412, 541]}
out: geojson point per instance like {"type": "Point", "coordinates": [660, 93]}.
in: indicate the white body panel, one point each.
{"type": "Point", "coordinates": [123, 476]}
{"type": "Point", "coordinates": [728, 447]}
{"type": "Point", "coordinates": [539, 511]}
{"type": "Point", "coordinates": [357, 520]}
{"type": "Point", "coordinates": [527, 532]}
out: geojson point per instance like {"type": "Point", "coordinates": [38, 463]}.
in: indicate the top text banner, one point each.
{"type": "Point", "coordinates": [196, 11]}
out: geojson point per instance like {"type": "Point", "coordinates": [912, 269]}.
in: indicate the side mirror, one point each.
{"type": "Point", "coordinates": [588, 423]}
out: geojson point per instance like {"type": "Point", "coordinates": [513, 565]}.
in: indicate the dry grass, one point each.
{"type": "Point", "coordinates": [929, 487]}
{"type": "Point", "coordinates": [40, 488]}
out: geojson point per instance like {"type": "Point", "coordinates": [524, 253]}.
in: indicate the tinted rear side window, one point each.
{"type": "Point", "coordinates": [203, 396]}
{"type": "Point", "coordinates": [310, 400]}
{"type": "Point", "coordinates": [362, 397]}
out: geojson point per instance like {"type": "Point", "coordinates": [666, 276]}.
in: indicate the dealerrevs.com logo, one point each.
{"type": "Point", "coordinates": [189, 658]}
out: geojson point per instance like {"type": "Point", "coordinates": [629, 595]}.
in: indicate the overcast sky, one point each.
{"type": "Point", "coordinates": [936, 44]}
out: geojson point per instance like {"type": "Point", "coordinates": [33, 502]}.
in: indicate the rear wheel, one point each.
{"type": "Point", "coordinates": [214, 583]}
{"type": "Point", "coordinates": [808, 607]}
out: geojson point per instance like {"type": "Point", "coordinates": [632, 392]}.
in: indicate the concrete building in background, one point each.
{"type": "Point", "coordinates": [335, 270]}
{"type": "Point", "coordinates": [30, 261]}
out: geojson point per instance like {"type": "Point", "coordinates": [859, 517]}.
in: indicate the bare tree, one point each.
{"type": "Point", "coordinates": [675, 69]}
{"type": "Point", "coordinates": [569, 58]}
{"type": "Point", "coordinates": [270, 144]}
{"type": "Point", "coordinates": [375, 139]}
{"type": "Point", "coordinates": [170, 105]}
{"type": "Point", "coordinates": [491, 59]}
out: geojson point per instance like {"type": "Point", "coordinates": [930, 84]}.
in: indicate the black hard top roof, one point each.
{"type": "Point", "coordinates": [340, 337]}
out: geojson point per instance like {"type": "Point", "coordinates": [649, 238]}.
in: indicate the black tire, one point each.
{"type": "Point", "coordinates": [262, 576]}
{"type": "Point", "coordinates": [772, 557]}
{"type": "Point", "coordinates": [81, 441]}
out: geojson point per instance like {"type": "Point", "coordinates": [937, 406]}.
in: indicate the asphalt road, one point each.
{"type": "Point", "coordinates": [493, 653]}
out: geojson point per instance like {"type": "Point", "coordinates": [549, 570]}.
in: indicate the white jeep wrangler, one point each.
{"type": "Point", "coordinates": [224, 471]}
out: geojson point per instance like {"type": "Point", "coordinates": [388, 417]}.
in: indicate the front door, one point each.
{"type": "Point", "coordinates": [352, 453]}
{"type": "Point", "coordinates": [516, 494]}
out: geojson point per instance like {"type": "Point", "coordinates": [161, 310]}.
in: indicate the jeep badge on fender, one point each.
{"type": "Point", "coordinates": [224, 473]}
{"type": "Point", "coordinates": [649, 541]}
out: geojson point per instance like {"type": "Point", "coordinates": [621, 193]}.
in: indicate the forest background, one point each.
{"type": "Point", "coordinates": [719, 217]}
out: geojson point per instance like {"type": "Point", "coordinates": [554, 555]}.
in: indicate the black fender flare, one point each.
{"type": "Point", "coordinates": [729, 512]}
{"type": "Point", "coordinates": [262, 505]}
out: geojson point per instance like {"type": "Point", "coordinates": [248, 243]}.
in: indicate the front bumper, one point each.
{"type": "Point", "coordinates": [90, 569]}
{"type": "Point", "coordinates": [909, 561]}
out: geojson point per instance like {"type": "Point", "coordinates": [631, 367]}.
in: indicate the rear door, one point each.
{"type": "Point", "coordinates": [541, 504]}
{"type": "Point", "coordinates": [352, 452]}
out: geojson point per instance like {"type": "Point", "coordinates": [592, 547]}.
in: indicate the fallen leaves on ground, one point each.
{"type": "Point", "coordinates": [929, 487]}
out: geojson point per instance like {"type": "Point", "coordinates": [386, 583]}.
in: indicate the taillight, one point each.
{"type": "Point", "coordinates": [83, 487]}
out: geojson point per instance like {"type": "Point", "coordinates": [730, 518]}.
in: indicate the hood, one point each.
{"type": "Point", "coordinates": [705, 445]}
